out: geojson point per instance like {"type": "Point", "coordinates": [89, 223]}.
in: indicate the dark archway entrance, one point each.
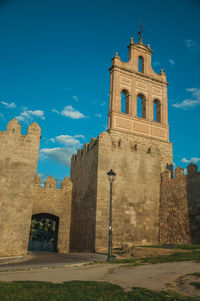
{"type": "Point", "coordinates": [43, 233]}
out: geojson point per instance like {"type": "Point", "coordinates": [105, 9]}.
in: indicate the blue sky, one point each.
{"type": "Point", "coordinates": [54, 60]}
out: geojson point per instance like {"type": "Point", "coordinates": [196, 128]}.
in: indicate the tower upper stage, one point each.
{"type": "Point", "coordinates": [138, 82]}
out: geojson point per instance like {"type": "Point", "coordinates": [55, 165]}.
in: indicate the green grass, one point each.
{"type": "Point", "coordinates": [181, 247]}
{"type": "Point", "coordinates": [196, 284]}
{"type": "Point", "coordinates": [177, 256]}
{"type": "Point", "coordinates": [195, 274]}
{"type": "Point", "coordinates": [188, 247]}
{"type": "Point", "coordinates": [80, 291]}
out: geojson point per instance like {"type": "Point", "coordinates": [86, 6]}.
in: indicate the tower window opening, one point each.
{"type": "Point", "coordinates": [156, 111]}
{"type": "Point", "coordinates": [141, 106]}
{"type": "Point", "coordinates": [125, 102]}
{"type": "Point", "coordinates": [141, 64]}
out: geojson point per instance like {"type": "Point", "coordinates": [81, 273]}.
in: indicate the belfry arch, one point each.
{"type": "Point", "coordinates": [157, 110]}
{"type": "Point", "coordinates": [125, 101]}
{"type": "Point", "coordinates": [141, 105]}
{"type": "Point", "coordinates": [141, 64]}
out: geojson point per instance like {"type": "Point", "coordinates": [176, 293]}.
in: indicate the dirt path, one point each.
{"type": "Point", "coordinates": [156, 277]}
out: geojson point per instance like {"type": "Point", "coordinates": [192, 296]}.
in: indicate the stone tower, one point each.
{"type": "Point", "coordinates": [136, 146]}
{"type": "Point", "coordinates": [18, 165]}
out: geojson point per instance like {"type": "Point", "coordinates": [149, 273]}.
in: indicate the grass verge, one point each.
{"type": "Point", "coordinates": [196, 284]}
{"type": "Point", "coordinates": [177, 256]}
{"type": "Point", "coordinates": [181, 247]}
{"type": "Point", "coordinates": [80, 291]}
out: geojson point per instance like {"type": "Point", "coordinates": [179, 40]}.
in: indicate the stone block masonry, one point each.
{"type": "Point", "coordinates": [180, 207]}
{"type": "Point", "coordinates": [56, 202]}
{"type": "Point", "coordinates": [83, 215]}
{"type": "Point", "coordinates": [21, 195]}
{"type": "Point", "coordinates": [18, 164]}
{"type": "Point", "coordinates": [149, 206]}
{"type": "Point", "coordinates": [136, 191]}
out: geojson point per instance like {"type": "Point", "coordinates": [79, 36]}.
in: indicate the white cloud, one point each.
{"type": "Point", "coordinates": [61, 155]}
{"type": "Point", "coordinates": [28, 115]}
{"type": "Point", "coordinates": [103, 103]}
{"type": "Point", "coordinates": [37, 113]}
{"type": "Point", "coordinates": [1, 115]}
{"type": "Point", "coordinates": [194, 160]}
{"type": "Point", "coordinates": [172, 62]}
{"type": "Point", "coordinates": [75, 97]}
{"type": "Point", "coordinates": [191, 45]}
{"type": "Point", "coordinates": [189, 102]}
{"type": "Point", "coordinates": [79, 136]}
{"type": "Point", "coordinates": [11, 105]}
{"type": "Point", "coordinates": [69, 140]}
{"type": "Point", "coordinates": [98, 115]}
{"type": "Point", "coordinates": [70, 112]}
{"type": "Point", "coordinates": [55, 111]}
{"type": "Point", "coordinates": [156, 63]}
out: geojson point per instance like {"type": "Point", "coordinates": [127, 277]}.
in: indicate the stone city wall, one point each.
{"type": "Point", "coordinates": [138, 162]}
{"type": "Point", "coordinates": [180, 207]}
{"type": "Point", "coordinates": [136, 191]}
{"type": "Point", "coordinates": [58, 203]}
{"type": "Point", "coordinates": [84, 179]}
{"type": "Point", "coordinates": [18, 164]}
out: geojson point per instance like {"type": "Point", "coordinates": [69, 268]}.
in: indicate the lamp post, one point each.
{"type": "Point", "coordinates": [111, 177]}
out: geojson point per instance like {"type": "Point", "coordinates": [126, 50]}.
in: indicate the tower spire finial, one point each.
{"type": "Point", "coordinates": [141, 31]}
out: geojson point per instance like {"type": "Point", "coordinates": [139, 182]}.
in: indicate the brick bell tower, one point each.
{"type": "Point", "coordinates": [138, 84]}
{"type": "Point", "coordinates": [136, 146]}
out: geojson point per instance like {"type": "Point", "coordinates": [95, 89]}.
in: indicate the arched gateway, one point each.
{"type": "Point", "coordinates": [51, 213]}
{"type": "Point", "coordinates": [44, 232]}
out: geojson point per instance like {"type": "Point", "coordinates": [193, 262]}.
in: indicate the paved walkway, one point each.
{"type": "Point", "coordinates": [37, 260]}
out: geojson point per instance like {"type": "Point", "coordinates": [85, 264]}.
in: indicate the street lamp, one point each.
{"type": "Point", "coordinates": [111, 177]}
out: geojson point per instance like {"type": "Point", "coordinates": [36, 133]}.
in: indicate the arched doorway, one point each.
{"type": "Point", "coordinates": [43, 233]}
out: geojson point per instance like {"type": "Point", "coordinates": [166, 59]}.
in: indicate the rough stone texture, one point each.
{"type": "Point", "coordinates": [147, 208]}
{"type": "Point", "coordinates": [137, 149]}
{"type": "Point", "coordinates": [20, 192]}
{"type": "Point", "coordinates": [136, 191]}
{"type": "Point", "coordinates": [18, 164]}
{"type": "Point", "coordinates": [180, 207]}
{"type": "Point", "coordinates": [84, 178]}
{"type": "Point", "coordinates": [56, 202]}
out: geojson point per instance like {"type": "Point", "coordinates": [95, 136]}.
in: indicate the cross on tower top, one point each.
{"type": "Point", "coordinates": [141, 31]}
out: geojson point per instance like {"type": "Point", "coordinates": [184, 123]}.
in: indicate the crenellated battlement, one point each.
{"type": "Point", "coordinates": [14, 129]}
{"type": "Point", "coordinates": [84, 151]}
{"type": "Point", "coordinates": [18, 147]}
{"type": "Point", "coordinates": [18, 165]}
{"type": "Point", "coordinates": [50, 184]}
{"type": "Point", "coordinates": [179, 206]}
{"type": "Point", "coordinates": [119, 141]}
{"type": "Point", "coordinates": [192, 172]}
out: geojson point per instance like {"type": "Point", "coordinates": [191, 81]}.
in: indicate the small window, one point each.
{"type": "Point", "coordinates": [156, 111]}
{"type": "Point", "coordinates": [141, 106]}
{"type": "Point", "coordinates": [141, 64]}
{"type": "Point", "coordinates": [125, 101]}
